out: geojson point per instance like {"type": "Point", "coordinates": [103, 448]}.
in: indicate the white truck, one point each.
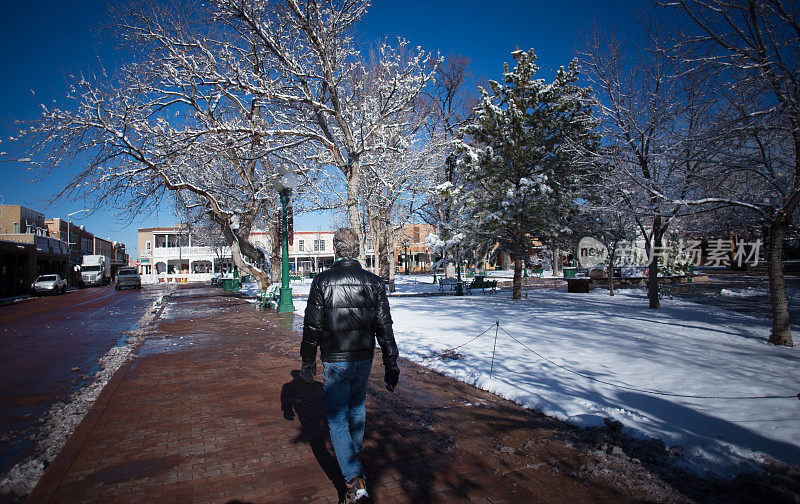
{"type": "Point", "coordinates": [95, 270]}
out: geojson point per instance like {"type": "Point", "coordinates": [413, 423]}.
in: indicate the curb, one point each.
{"type": "Point", "coordinates": [58, 469]}
{"type": "Point", "coordinates": [49, 483]}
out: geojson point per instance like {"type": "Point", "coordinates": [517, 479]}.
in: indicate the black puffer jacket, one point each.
{"type": "Point", "coordinates": [347, 309]}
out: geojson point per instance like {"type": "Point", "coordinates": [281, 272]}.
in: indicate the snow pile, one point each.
{"type": "Point", "coordinates": [684, 348]}
{"type": "Point", "coordinates": [63, 418]}
{"type": "Point", "coordinates": [21, 479]}
{"type": "Point", "coordinates": [747, 292]}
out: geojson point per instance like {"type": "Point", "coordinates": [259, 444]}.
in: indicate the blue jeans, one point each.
{"type": "Point", "coordinates": [345, 401]}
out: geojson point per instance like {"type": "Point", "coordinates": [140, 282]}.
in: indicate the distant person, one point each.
{"type": "Point", "coordinates": [347, 310]}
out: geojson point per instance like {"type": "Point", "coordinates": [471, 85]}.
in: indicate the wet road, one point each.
{"type": "Point", "coordinates": [50, 347]}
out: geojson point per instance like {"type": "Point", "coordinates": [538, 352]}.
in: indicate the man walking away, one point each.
{"type": "Point", "coordinates": [347, 310]}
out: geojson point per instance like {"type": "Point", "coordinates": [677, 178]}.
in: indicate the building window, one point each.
{"type": "Point", "coordinates": [301, 245]}
{"type": "Point", "coordinates": [16, 228]}
{"type": "Point", "coordinates": [319, 245]}
{"type": "Point", "coordinates": [147, 245]}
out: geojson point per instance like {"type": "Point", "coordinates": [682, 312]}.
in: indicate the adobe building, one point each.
{"type": "Point", "coordinates": [411, 255]}
{"type": "Point", "coordinates": [16, 219]}
{"type": "Point", "coordinates": [27, 250]}
{"type": "Point", "coordinates": [81, 241]}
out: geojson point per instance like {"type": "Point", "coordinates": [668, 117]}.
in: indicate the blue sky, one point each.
{"type": "Point", "coordinates": [41, 40]}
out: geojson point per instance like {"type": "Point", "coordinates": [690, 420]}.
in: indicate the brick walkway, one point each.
{"type": "Point", "coordinates": [212, 410]}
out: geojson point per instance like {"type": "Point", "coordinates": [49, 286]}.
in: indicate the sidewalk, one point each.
{"type": "Point", "coordinates": [212, 412]}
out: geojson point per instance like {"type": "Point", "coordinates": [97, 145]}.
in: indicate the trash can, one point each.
{"type": "Point", "coordinates": [230, 284]}
{"type": "Point", "coordinates": [570, 271]}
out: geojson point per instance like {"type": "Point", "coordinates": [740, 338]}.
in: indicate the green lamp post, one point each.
{"type": "Point", "coordinates": [459, 282]}
{"type": "Point", "coordinates": [285, 183]}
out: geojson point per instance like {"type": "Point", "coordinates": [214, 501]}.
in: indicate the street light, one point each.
{"type": "Point", "coordinates": [405, 242]}
{"type": "Point", "coordinates": [69, 245]}
{"type": "Point", "coordinates": [459, 282]}
{"type": "Point", "coordinates": [285, 184]}
{"type": "Point", "coordinates": [234, 225]}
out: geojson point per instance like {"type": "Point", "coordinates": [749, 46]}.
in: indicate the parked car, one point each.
{"type": "Point", "coordinates": [127, 277]}
{"type": "Point", "coordinates": [49, 284]}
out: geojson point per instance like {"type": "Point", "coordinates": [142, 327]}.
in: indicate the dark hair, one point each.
{"type": "Point", "coordinates": [345, 242]}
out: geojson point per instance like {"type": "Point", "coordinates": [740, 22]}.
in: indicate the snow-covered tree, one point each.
{"type": "Point", "coordinates": [173, 120]}
{"type": "Point", "coordinates": [222, 92]}
{"type": "Point", "coordinates": [522, 158]}
{"type": "Point", "coordinates": [321, 80]}
{"type": "Point", "coordinates": [396, 182]}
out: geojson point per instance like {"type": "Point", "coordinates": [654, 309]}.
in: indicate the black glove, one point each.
{"type": "Point", "coordinates": [308, 370]}
{"type": "Point", "coordinates": [390, 377]}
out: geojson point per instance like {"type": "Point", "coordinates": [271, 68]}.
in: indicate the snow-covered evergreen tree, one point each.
{"type": "Point", "coordinates": [521, 158]}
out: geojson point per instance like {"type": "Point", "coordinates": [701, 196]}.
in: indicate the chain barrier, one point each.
{"type": "Point", "coordinates": [447, 350]}
{"type": "Point", "coordinates": [498, 327]}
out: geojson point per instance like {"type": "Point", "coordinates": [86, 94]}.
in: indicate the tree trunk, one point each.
{"type": "Point", "coordinates": [390, 265]}
{"type": "Point", "coordinates": [275, 259]}
{"type": "Point", "coordinates": [652, 270]}
{"type": "Point", "coordinates": [353, 212]}
{"type": "Point", "coordinates": [240, 248]}
{"type": "Point", "coordinates": [517, 288]}
{"type": "Point", "coordinates": [781, 330]}
{"type": "Point", "coordinates": [556, 260]}
{"type": "Point", "coordinates": [611, 276]}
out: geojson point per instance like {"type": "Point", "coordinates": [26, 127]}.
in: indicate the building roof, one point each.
{"type": "Point", "coordinates": [177, 227]}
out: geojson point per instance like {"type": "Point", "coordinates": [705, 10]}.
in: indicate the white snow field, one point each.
{"type": "Point", "coordinates": [683, 348]}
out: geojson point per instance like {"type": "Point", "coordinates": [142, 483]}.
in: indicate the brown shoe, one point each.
{"type": "Point", "coordinates": [357, 491]}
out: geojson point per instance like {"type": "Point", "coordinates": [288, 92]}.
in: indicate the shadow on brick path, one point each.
{"type": "Point", "coordinates": [306, 402]}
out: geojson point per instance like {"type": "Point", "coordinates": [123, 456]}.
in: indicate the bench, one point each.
{"type": "Point", "coordinates": [447, 281]}
{"type": "Point", "coordinates": [480, 282]}
{"type": "Point", "coordinates": [268, 298]}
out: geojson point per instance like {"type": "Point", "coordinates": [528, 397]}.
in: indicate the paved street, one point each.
{"type": "Point", "coordinates": [50, 345]}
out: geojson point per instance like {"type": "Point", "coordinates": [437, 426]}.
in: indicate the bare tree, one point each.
{"type": "Point", "coordinates": [649, 107]}
{"type": "Point", "coordinates": [753, 153]}
{"type": "Point", "coordinates": [223, 92]}
{"type": "Point", "coordinates": [452, 101]}
{"type": "Point", "coordinates": [397, 180]}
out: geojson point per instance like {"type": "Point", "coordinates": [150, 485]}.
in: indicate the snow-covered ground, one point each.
{"type": "Point", "coordinates": [684, 348]}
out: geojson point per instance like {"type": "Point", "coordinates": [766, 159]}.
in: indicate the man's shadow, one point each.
{"type": "Point", "coordinates": [307, 402]}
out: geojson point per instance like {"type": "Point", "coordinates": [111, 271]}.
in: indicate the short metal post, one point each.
{"type": "Point", "coordinates": [496, 329]}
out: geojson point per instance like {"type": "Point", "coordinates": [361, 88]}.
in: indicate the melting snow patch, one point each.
{"type": "Point", "coordinates": [748, 292]}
